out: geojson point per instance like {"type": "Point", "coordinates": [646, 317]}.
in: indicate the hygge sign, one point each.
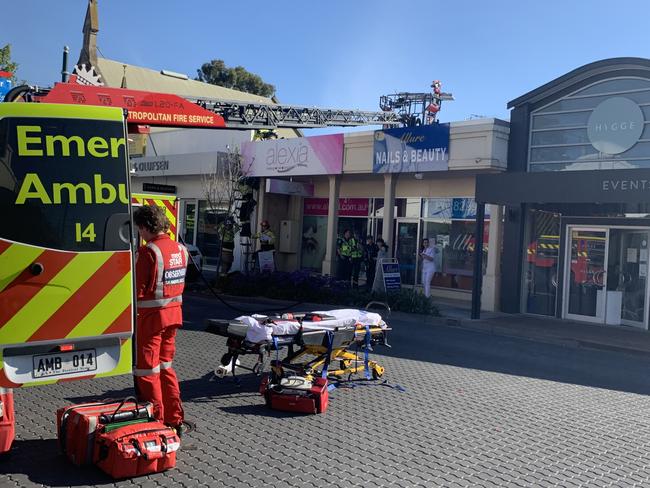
{"type": "Point", "coordinates": [411, 149]}
{"type": "Point", "coordinates": [615, 125]}
{"type": "Point", "coordinates": [178, 164]}
{"type": "Point", "coordinates": [291, 157]}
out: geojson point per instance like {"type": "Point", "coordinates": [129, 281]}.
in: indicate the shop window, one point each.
{"type": "Point", "coordinates": [408, 207]}
{"type": "Point", "coordinates": [541, 262]}
{"type": "Point", "coordinates": [377, 207]}
{"type": "Point", "coordinates": [451, 224]}
{"type": "Point", "coordinates": [207, 235]}
{"type": "Point", "coordinates": [560, 134]}
{"type": "Point", "coordinates": [314, 242]}
{"type": "Point", "coordinates": [190, 223]}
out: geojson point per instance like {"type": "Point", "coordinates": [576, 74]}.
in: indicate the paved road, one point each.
{"type": "Point", "coordinates": [479, 410]}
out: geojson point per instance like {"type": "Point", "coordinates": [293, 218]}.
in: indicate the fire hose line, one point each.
{"type": "Point", "coordinates": [230, 306]}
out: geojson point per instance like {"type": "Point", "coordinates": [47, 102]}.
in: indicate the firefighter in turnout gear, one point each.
{"type": "Point", "coordinates": [227, 231]}
{"type": "Point", "coordinates": [160, 278]}
{"type": "Point", "coordinates": [266, 237]}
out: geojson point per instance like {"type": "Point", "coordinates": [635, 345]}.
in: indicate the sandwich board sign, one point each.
{"type": "Point", "coordinates": [388, 278]}
{"type": "Point", "coordinates": [266, 262]}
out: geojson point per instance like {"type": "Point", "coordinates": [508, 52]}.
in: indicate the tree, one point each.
{"type": "Point", "coordinates": [5, 61]}
{"type": "Point", "coordinates": [220, 189]}
{"type": "Point", "coordinates": [238, 78]}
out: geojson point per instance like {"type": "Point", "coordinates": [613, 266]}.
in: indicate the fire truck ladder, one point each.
{"type": "Point", "coordinates": [249, 115]}
{"type": "Point", "coordinates": [237, 114]}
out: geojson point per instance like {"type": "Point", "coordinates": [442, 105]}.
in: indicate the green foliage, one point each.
{"type": "Point", "coordinates": [314, 288]}
{"type": "Point", "coordinates": [238, 78]}
{"type": "Point", "coordinates": [6, 64]}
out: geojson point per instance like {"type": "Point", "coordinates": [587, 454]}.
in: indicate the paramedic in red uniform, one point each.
{"type": "Point", "coordinates": [160, 277]}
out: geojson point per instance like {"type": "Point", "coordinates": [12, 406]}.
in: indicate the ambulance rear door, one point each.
{"type": "Point", "coordinates": [66, 280]}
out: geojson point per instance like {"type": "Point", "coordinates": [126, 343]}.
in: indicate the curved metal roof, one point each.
{"type": "Point", "coordinates": [591, 70]}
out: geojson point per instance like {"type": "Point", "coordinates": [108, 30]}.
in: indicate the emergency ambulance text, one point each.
{"type": "Point", "coordinates": [32, 145]}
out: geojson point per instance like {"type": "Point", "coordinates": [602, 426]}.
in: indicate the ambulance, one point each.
{"type": "Point", "coordinates": [66, 260]}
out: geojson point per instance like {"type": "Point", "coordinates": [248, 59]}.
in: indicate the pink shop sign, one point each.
{"type": "Point", "coordinates": [348, 207]}
{"type": "Point", "coordinates": [317, 155]}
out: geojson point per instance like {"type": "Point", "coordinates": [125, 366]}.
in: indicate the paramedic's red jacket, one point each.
{"type": "Point", "coordinates": [146, 272]}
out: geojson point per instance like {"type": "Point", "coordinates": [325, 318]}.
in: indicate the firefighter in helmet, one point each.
{"type": "Point", "coordinates": [266, 237]}
{"type": "Point", "coordinates": [227, 230]}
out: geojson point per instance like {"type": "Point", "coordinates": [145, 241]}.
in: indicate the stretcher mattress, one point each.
{"type": "Point", "coordinates": [256, 329]}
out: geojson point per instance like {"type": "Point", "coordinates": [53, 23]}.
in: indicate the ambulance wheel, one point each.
{"type": "Point", "coordinates": [376, 374]}
{"type": "Point", "coordinates": [226, 359]}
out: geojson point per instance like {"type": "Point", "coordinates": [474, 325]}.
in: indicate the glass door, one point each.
{"type": "Point", "coordinates": [586, 274]}
{"type": "Point", "coordinates": [189, 227]}
{"type": "Point", "coordinates": [627, 278]}
{"type": "Point", "coordinates": [406, 250]}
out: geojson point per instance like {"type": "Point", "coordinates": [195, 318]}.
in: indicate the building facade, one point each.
{"type": "Point", "coordinates": [577, 217]}
{"type": "Point", "coordinates": [436, 202]}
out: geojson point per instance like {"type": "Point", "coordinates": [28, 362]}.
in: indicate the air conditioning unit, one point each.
{"type": "Point", "coordinates": [288, 236]}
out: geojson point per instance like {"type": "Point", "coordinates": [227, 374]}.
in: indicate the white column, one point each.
{"type": "Point", "coordinates": [492, 279]}
{"type": "Point", "coordinates": [329, 264]}
{"type": "Point", "coordinates": [388, 229]}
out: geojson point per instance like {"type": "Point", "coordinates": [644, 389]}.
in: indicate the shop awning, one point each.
{"type": "Point", "coordinates": [600, 186]}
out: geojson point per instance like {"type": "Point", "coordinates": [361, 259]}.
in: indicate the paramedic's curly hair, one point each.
{"type": "Point", "coordinates": [152, 218]}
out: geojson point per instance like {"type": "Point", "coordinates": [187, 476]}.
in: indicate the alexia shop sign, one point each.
{"type": "Point", "coordinates": [348, 207]}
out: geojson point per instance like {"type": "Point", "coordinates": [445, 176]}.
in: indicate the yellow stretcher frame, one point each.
{"type": "Point", "coordinates": [349, 361]}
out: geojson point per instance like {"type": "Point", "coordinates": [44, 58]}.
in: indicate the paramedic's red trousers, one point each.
{"type": "Point", "coordinates": [155, 378]}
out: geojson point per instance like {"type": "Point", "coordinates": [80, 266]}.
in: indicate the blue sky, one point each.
{"type": "Point", "coordinates": [344, 53]}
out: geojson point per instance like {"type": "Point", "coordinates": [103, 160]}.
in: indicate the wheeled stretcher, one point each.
{"type": "Point", "coordinates": [307, 339]}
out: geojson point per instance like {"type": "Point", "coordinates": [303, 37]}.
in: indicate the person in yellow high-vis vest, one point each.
{"type": "Point", "coordinates": [357, 258]}
{"type": "Point", "coordinates": [344, 252]}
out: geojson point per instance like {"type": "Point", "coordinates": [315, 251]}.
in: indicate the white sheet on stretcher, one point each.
{"type": "Point", "coordinates": [348, 317]}
{"type": "Point", "coordinates": [362, 317]}
{"type": "Point", "coordinates": [259, 332]}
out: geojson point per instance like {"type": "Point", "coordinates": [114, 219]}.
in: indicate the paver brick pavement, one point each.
{"type": "Point", "coordinates": [472, 415]}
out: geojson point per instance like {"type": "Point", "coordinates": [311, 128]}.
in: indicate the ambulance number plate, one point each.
{"type": "Point", "coordinates": [46, 365]}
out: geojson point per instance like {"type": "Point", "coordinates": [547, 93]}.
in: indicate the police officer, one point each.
{"type": "Point", "coordinates": [357, 258]}
{"type": "Point", "coordinates": [160, 270]}
{"type": "Point", "coordinates": [227, 231]}
{"type": "Point", "coordinates": [344, 252]}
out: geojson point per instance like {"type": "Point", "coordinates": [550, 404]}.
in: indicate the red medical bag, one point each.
{"type": "Point", "coordinates": [7, 419]}
{"type": "Point", "coordinates": [290, 399]}
{"type": "Point", "coordinates": [78, 424]}
{"type": "Point", "coordinates": [136, 449]}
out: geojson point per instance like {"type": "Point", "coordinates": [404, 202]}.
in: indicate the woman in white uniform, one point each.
{"type": "Point", "coordinates": [428, 254]}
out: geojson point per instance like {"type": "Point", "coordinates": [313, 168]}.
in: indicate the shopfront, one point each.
{"type": "Point", "coordinates": [187, 173]}
{"type": "Point", "coordinates": [427, 181]}
{"type": "Point", "coordinates": [577, 217]}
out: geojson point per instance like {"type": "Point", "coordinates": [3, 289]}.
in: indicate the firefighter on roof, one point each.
{"type": "Point", "coordinates": [160, 278]}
